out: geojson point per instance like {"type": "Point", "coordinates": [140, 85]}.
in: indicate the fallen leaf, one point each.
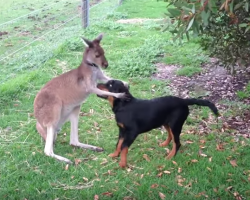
{"type": "Point", "coordinates": [162, 196]}
{"type": "Point", "coordinates": [189, 142]}
{"type": "Point", "coordinates": [77, 161]}
{"type": "Point", "coordinates": [159, 175]}
{"type": "Point", "coordinates": [202, 141]}
{"type": "Point", "coordinates": [229, 188]}
{"type": "Point", "coordinates": [233, 163]}
{"type": "Point", "coordinates": [154, 185]}
{"type": "Point", "coordinates": [175, 163]}
{"type": "Point", "coordinates": [160, 167]}
{"type": "Point", "coordinates": [104, 162]}
{"type": "Point", "coordinates": [67, 167]}
{"type": "Point", "coordinates": [142, 176]}
{"type": "Point", "coordinates": [145, 156]}
{"type": "Point", "coordinates": [209, 169]}
{"type": "Point", "coordinates": [137, 183]}
{"type": "Point", "coordinates": [219, 147]}
{"type": "Point", "coordinates": [85, 179]}
{"type": "Point", "coordinates": [189, 185]}
{"type": "Point", "coordinates": [210, 159]}
{"type": "Point", "coordinates": [194, 161]}
{"type": "Point", "coordinates": [215, 190]}
{"type": "Point", "coordinates": [72, 177]}
{"type": "Point", "coordinates": [166, 172]}
{"type": "Point", "coordinates": [180, 184]}
{"type": "Point", "coordinates": [96, 197]}
{"type": "Point", "coordinates": [202, 154]}
{"type": "Point", "coordinates": [179, 170]}
{"type": "Point", "coordinates": [109, 194]}
{"type": "Point", "coordinates": [128, 198]}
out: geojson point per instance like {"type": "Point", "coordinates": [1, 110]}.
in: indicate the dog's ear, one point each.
{"type": "Point", "coordinates": [87, 43]}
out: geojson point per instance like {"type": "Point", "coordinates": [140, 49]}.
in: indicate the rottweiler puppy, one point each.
{"type": "Point", "coordinates": [135, 116]}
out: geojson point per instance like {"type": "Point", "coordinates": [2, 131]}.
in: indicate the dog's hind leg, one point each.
{"type": "Point", "coordinates": [168, 140]}
{"type": "Point", "coordinates": [176, 123]}
{"type": "Point", "coordinates": [74, 139]}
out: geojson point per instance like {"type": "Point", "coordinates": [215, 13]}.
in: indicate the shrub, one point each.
{"type": "Point", "coordinates": [224, 26]}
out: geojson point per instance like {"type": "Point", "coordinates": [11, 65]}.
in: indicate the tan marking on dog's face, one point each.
{"type": "Point", "coordinates": [110, 98]}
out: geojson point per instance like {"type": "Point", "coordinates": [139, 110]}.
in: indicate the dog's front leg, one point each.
{"type": "Point", "coordinates": [118, 147]}
{"type": "Point", "coordinates": [74, 139]}
{"type": "Point", "coordinates": [48, 150]}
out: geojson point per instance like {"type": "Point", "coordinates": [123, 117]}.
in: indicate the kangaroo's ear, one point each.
{"type": "Point", "coordinates": [87, 43]}
{"type": "Point", "coordinates": [99, 38]}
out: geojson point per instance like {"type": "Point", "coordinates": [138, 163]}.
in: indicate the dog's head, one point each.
{"type": "Point", "coordinates": [114, 86]}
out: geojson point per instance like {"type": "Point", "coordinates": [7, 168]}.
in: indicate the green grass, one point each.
{"type": "Point", "coordinates": [188, 71]}
{"type": "Point", "coordinates": [244, 93]}
{"type": "Point", "coordinates": [25, 172]}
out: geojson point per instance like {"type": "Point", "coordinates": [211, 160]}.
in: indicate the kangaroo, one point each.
{"type": "Point", "coordinates": [60, 99]}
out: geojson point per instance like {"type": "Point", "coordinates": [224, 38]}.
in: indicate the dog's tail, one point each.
{"type": "Point", "coordinates": [201, 102]}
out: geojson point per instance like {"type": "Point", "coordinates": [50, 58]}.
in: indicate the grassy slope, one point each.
{"type": "Point", "coordinates": [25, 172]}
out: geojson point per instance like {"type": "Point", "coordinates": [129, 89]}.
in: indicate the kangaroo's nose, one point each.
{"type": "Point", "coordinates": [105, 64]}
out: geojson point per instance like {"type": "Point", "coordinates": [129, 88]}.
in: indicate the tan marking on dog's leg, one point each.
{"type": "Point", "coordinates": [123, 162]}
{"type": "Point", "coordinates": [118, 149]}
{"type": "Point", "coordinates": [173, 151]}
{"type": "Point", "coordinates": [168, 140]}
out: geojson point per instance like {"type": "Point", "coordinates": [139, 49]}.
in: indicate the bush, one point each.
{"type": "Point", "coordinates": [224, 27]}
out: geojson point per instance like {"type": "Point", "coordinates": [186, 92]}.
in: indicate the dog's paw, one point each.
{"type": "Point", "coordinates": [122, 164]}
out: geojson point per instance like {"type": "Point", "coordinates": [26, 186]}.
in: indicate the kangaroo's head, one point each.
{"type": "Point", "coordinates": [94, 53]}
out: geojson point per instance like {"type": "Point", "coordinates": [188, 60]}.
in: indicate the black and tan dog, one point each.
{"type": "Point", "coordinates": [136, 116]}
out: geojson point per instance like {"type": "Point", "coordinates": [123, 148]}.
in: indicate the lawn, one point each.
{"type": "Point", "coordinates": [208, 166]}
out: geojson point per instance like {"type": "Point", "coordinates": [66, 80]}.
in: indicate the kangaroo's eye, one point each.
{"type": "Point", "coordinates": [97, 56]}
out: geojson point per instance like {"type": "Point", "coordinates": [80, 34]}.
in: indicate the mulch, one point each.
{"type": "Point", "coordinates": [216, 84]}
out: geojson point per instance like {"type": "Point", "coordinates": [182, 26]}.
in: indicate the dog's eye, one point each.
{"type": "Point", "coordinates": [110, 85]}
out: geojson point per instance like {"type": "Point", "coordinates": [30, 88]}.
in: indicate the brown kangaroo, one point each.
{"type": "Point", "coordinates": [60, 99]}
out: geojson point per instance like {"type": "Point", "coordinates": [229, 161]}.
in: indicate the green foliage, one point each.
{"type": "Point", "coordinates": [224, 26]}
{"type": "Point", "coordinates": [139, 61]}
{"type": "Point", "coordinates": [245, 93]}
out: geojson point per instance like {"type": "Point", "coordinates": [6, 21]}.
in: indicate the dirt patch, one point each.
{"type": "Point", "coordinates": [3, 33]}
{"type": "Point", "coordinates": [136, 20]}
{"type": "Point", "coordinates": [215, 84]}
